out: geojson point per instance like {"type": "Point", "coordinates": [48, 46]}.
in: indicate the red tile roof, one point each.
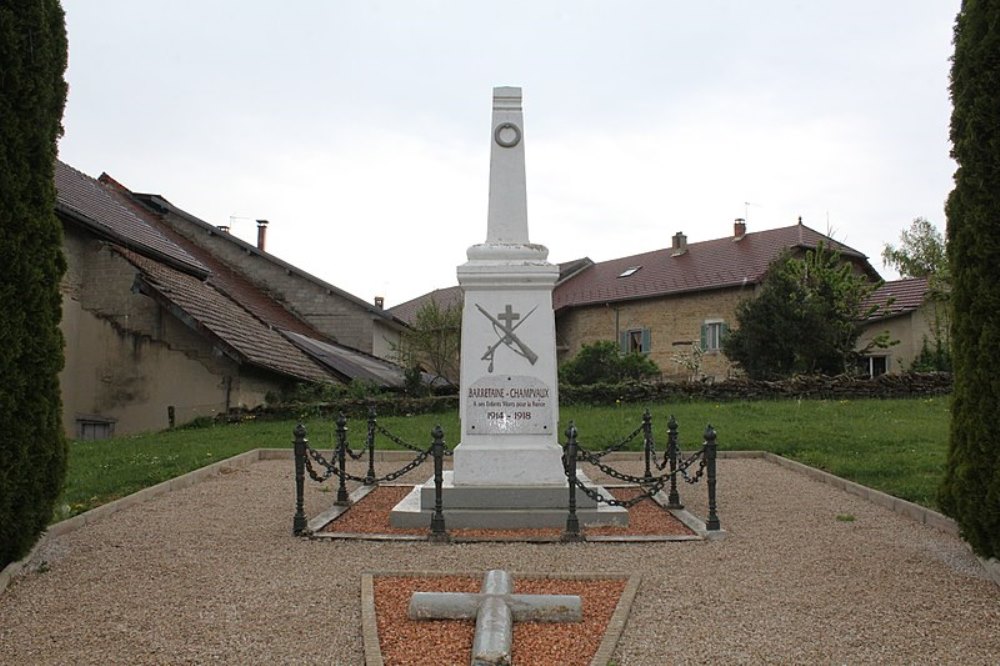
{"type": "Point", "coordinates": [87, 201]}
{"type": "Point", "coordinates": [714, 264]}
{"type": "Point", "coordinates": [898, 297]}
{"type": "Point", "coordinates": [199, 289]}
{"type": "Point", "coordinates": [161, 206]}
{"type": "Point", "coordinates": [449, 296]}
{"type": "Point", "coordinates": [222, 276]}
{"type": "Point", "coordinates": [200, 304]}
{"type": "Point", "coordinates": [445, 298]}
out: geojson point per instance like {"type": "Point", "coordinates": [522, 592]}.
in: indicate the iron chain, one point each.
{"type": "Point", "coordinates": [620, 445]}
{"type": "Point", "coordinates": [647, 493]}
{"type": "Point", "coordinates": [404, 444]}
{"type": "Point", "coordinates": [332, 470]}
{"type": "Point", "coordinates": [697, 475]}
{"type": "Point", "coordinates": [594, 460]}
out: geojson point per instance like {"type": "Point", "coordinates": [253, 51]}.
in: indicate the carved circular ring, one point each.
{"type": "Point", "coordinates": [507, 135]}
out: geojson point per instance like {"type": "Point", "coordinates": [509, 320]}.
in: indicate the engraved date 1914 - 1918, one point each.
{"type": "Point", "coordinates": [501, 416]}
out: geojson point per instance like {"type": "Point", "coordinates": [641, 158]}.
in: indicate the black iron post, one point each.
{"type": "Point", "coordinates": [300, 441]}
{"type": "Point", "coordinates": [572, 532]}
{"type": "Point", "coordinates": [710, 451]}
{"type": "Point", "coordinates": [647, 432]}
{"type": "Point", "coordinates": [674, 498]}
{"type": "Point", "coordinates": [342, 497]}
{"type": "Point", "coordinates": [370, 475]}
{"type": "Point", "coordinates": [438, 532]}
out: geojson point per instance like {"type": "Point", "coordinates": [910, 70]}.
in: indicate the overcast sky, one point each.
{"type": "Point", "coordinates": [361, 130]}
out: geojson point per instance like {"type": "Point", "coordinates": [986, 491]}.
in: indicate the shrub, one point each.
{"type": "Point", "coordinates": [936, 359]}
{"type": "Point", "coordinates": [602, 363]}
{"type": "Point", "coordinates": [806, 319]}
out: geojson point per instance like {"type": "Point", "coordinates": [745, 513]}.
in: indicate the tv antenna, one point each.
{"type": "Point", "coordinates": [746, 209]}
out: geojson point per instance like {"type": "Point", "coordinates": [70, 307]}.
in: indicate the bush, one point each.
{"type": "Point", "coordinates": [936, 359]}
{"type": "Point", "coordinates": [805, 319]}
{"type": "Point", "coordinates": [602, 363]}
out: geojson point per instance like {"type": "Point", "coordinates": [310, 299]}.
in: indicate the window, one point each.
{"type": "Point", "coordinates": [713, 332]}
{"type": "Point", "coordinates": [93, 428]}
{"type": "Point", "coordinates": [873, 366]}
{"type": "Point", "coordinates": [635, 340]}
{"type": "Point", "coordinates": [631, 270]}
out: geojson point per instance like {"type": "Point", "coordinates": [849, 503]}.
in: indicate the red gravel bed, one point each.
{"type": "Point", "coordinates": [447, 642]}
{"type": "Point", "coordinates": [371, 516]}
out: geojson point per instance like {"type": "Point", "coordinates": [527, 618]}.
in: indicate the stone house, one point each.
{"type": "Point", "coordinates": [676, 304]}
{"type": "Point", "coordinates": [912, 319]}
{"type": "Point", "coordinates": [160, 329]}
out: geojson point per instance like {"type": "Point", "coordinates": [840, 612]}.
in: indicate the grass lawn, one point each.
{"type": "Point", "coordinates": [897, 446]}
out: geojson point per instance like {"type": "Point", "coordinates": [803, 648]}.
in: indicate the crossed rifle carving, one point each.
{"type": "Point", "coordinates": [506, 336]}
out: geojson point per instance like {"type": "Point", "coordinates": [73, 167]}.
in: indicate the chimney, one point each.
{"type": "Point", "coordinates": [680, 244]}
{"type": "Point", "coordinates": [380, 302]}
{"type": "Point", "coordinates": [261, 234]}
{"type": "Point", "coordinates": [739, 228]}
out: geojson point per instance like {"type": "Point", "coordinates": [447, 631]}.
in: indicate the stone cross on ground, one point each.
{"type": "Point", "coordinates": [495, 609]}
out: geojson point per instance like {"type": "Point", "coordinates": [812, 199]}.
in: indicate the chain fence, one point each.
{"type": "Point", "coordinates": [691, 469]}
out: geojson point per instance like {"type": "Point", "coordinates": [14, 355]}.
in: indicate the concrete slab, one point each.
{"type": "Point", "coordinates": [409, 513]}
{"type": "Point", "coordinates": [511, 497]}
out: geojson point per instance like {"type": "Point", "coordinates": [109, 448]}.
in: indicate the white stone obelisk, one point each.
{"type": "Point", "coordinates": [509, 400]}
{"type": "Point", "coordinates": [508, 471]}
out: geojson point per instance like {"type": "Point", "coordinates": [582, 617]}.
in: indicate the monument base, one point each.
{"type": "Point", "coordinates": [503, 507]}
{"type": "Point", "coordinates": [514, 460]}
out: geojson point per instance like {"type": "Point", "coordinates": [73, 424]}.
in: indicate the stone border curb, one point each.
{"type": "Point", "coordinates": [616, 625]}
{"type": "Point", "coordinates": [612, 632]}
{"type": "Point", "coordinates": [915, 512]}
{"type": "Point", "coordinates": [334, 512]}
{"type": "Point", "coordinates": [369, 623]}
{"type": "Point", "coordinates": [992, 567]}
{"type": "Point", "coordinates": [912, 511]}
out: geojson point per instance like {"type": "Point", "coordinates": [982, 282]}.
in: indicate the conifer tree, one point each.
{"type": "Point", "coordinates": [970, 492]}
{"type": "Point", "coordinates": [805, 319]}
{"type": "Point", "coordinates": [32, 97]}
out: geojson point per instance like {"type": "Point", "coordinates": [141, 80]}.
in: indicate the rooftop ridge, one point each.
{"type": "Point", "coordinates": [158, 201]}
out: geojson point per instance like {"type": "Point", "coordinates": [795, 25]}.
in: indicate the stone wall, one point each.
{"type": "Point", "coordinates": [128, 359]}
{"type": "Point", "coordinates": [674, 323]}
{"type": "Point", "coordinates": [905, 385]}
{"type": "Point", "coordinates": [810, 387]}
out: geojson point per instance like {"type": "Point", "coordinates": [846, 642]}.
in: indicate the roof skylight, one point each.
{"type": "Point", "coordinates": [631, 270]}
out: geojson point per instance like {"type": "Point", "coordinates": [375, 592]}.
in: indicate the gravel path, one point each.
{"type": "Point", "coordinates": [212, 573]}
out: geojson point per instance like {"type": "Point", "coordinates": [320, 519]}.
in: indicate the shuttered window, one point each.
{"type": "Point", "coordinates": [636, 340]}
{"type": "Point", "coordinates": [712, 335]}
